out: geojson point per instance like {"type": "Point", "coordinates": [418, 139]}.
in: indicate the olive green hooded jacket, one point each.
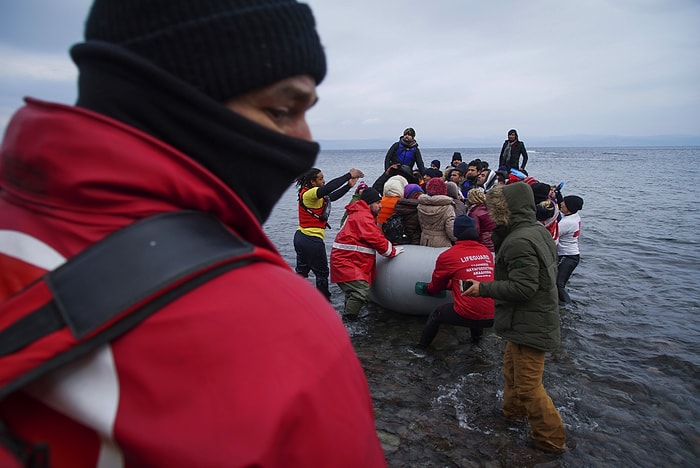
{"type": "Point", "coordinates": [524, 289]}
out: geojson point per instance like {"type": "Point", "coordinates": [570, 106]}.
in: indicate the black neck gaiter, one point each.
{"type": "Point", "coordinates": [258, 164]}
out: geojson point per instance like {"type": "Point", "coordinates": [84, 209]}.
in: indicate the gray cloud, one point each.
{"type": "Point", "coordinates": [450, 68]}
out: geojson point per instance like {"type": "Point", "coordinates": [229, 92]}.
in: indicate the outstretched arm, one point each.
{"type": "Point", "coordinates": [335, 188]}
{"type": "Point", "coordinates": [378, 184]}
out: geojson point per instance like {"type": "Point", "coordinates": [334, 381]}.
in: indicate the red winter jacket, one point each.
{"type": "Point", "coordinates": [466, 260]}
{"type": "Point", "coordinates": [353, 256]}
{"type": "Point", "coordinates": [253, 368]}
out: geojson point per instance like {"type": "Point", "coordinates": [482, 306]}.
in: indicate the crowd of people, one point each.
{"type": "Point", "coordinates": [510, 245]}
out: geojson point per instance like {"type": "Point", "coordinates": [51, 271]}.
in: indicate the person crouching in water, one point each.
{"type": "Point", "coordinates": [456, 268]}
{"type": "Point", "coordinates": [353, 259]}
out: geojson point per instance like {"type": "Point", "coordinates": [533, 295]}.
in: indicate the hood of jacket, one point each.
{"type": "Point", "coordinates": [452, 190]}
{"type": "Point", "coordinates": [435, 200]}
{"type": "Point", "coordinates": [394, 186]}
{"type": "Point", "coordinates": [512, 204]}
{"type": "Point", "coordinates": [435, 206]}
{"type": "Point", "coordinates": [490, 180]}
{"type": "Point", "coordinates": [359, 205]}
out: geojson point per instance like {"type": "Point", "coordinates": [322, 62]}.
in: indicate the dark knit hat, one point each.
{"type": "Point", "coordinates": [462, 167]}
{"type": "Point", "coordinates": [465, 228]}
{"type": "Point", "coordinates": [540, 191]}
{"type": "Point", "coordinates": [224, 48]}
{"type": "Point", "coordinates": [457, 155]}
{"type": "Point", "coordinates": [430, 172]}
{"type": "Point", "coordinates": [436, 163]}
{"type": "Point", "coordinates": [370, 195]}
{"type": "Point", "coordinates": [436, 186]}
{"type": "Point", "coordinates": [573, 203]}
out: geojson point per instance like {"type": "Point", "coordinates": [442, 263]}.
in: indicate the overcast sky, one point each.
{"type": "Point", "coordinates": [449, 68]}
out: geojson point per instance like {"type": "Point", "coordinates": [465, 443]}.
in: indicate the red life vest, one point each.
{"type": "Point", "coordinates": [312, 217]}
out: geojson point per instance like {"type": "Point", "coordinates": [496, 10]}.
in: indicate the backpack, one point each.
{"type": "Point", "coordinates": [394, 231]}
{"type": "Point", "coordinates": [103, 292]}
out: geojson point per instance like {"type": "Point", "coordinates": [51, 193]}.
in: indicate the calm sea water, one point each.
{"type": "Point", "coordinates": [627, 377]}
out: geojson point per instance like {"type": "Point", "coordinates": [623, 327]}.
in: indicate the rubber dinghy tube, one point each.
{"type": "Point", "coordinates": [395, 285]}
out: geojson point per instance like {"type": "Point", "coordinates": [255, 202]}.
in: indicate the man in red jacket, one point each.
{"type": "Point", "coordinates": [455, 268]}
{"type": "Point", "coordinates": [181, 106]}
{"type": "Point", "coordinates": [353, 256]}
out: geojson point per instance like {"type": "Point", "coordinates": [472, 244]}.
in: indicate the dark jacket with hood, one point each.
{"type": "Point", "coordinates": [527, 307]}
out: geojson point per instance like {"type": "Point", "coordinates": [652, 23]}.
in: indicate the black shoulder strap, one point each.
{"type": "Point", "coordinates": [326, 209]}
{"type": "Point", "coordinates": [114, 284]}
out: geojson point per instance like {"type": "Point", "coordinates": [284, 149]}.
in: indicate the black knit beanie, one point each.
{"type": "Point", "coordinates": [222, 47]}
{"type": "Point", "coordinates": [465, 228]}
{"type": "Point", "coordinates": [369, 196]}
{"type": "Point", "coordinates": [540, 191]}
{"type": "Point", "coordinates": [573, 203]}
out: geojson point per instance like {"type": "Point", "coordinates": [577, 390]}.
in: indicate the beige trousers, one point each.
{"type": "Point", "coordinates": [525, 396]}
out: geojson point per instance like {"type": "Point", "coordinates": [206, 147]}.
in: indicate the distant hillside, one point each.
{"type": "Point", "coordinates": [534, 141]}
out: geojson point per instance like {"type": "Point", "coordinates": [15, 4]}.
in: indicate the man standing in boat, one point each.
{"type": "Point", "coordinates": [405, 152]}
{"type": "Point", "coordinates": [511, 151]}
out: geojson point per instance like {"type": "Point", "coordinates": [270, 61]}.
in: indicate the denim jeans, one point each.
{"type": "Point", "coordinates": [567, 265]}
{"type": "Point", "coordinates": [525, 396]}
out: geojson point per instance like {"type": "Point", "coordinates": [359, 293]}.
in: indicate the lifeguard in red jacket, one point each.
{"type": "Point", "coordinates": [353, 256]}
{"type": "Point", "coordinates": [455, 269]}
{"type": "Point", "coordinates": [182, 105]}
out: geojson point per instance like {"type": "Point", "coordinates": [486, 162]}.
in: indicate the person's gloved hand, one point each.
{"type": "Point", "coordinates": [398, 250]}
